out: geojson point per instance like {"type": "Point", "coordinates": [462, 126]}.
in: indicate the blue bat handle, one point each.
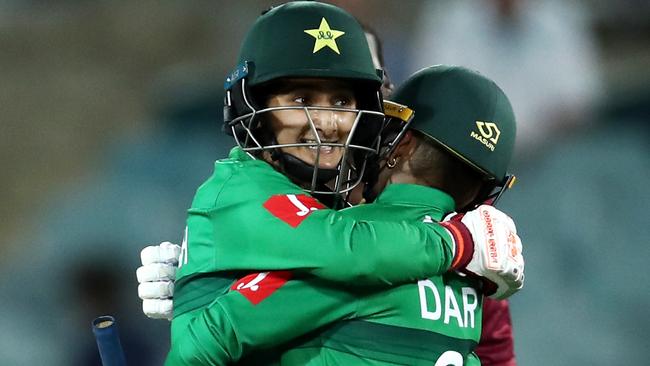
{"type": "Point", "coordinates": [108, 341]}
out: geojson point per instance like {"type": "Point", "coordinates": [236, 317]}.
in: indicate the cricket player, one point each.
{"type": "Point", "coordinates": [252, 202]}
{"type": "Point", "coordinates": [432, 321]}
{"type": "Point", "coordinates": [496, 347]}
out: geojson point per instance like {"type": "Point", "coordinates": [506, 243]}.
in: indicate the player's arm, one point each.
{"type": "Point", "coordinates": [257, 314]}
{"type": "Point", "coordinates": [337, 247]}
{"type": "Point", "coordinates": [496, 347]}
{"type": "Point", "coordinates": [500, 244]}
{"type": "Point", "coordinates": [325, 243]}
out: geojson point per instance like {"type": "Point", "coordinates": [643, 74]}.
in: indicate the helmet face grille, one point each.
{"type": "Point", "coordinates": [253, 134]}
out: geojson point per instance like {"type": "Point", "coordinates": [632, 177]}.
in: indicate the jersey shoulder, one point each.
{"type": "Point", "coordinates": [235, 180]}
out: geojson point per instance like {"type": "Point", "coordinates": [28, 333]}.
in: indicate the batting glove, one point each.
{"type": "Point", "coordinates": [156, 279]}
{"type": "Point", "coordinates": [487, 245]}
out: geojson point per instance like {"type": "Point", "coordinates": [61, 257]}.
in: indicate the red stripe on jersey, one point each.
{"type": "Point", "coordinates": [292, 208]}
{"type": "Point", "coordinates": [258, 286]}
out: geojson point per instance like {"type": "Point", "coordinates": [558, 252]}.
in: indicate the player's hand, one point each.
{"type": "Point", "coordinates": [497, 255]}
{"type": "Point", "coordinates": [156, 279]}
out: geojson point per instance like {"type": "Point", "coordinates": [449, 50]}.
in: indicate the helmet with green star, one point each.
{"type": "Point", "coordinates": [306, 40]}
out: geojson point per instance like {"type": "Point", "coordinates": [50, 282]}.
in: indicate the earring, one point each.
{"type": "Point", "coordinates": [391, 163]}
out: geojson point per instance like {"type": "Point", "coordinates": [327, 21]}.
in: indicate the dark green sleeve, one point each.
{"type": "Point", "coordinates": [327, 244]}
{"type": "Point", "coordinates": [239, 321]}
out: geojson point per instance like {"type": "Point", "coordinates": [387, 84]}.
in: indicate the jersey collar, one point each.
{"type": "Point", "coordinates": [237, 153]}
{"type": "Point", "coordinates": [417, 195]}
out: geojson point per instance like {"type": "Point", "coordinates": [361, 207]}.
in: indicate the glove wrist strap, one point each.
{"type": "Point", "coordinates": [463, 241]}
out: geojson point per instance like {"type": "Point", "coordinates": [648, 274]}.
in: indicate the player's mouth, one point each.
{"type": "Point", "coordinates": [324, 149]}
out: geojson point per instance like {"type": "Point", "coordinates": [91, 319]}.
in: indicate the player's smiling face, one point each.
{"type": "Point", "coordinates": [331, 127]}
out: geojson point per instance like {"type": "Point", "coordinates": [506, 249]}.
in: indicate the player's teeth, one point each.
{"type": "Point", "coordinates": [323, 148]}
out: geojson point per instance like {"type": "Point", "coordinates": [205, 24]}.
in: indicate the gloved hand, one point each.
{"type": "Point", "coordinates": [156, 279]}
{"type": "Point", "coordinates": [496, 256]}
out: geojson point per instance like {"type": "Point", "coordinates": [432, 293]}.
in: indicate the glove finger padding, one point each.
{"type": "Point", "coordinates": [158, 309]}
{"type": "Point", "coordinates": [516, 258]}
{"type": "Point", "coordinates": [156, 290]}
{"type": "Point", "coordinates": [164, 252]}
{"type": "Point", "coordinates": [156, 272]}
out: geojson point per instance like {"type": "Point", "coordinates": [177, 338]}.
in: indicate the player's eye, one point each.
{"type": "Point", "coordinates": [300, 100]}
{"type": "Point", "coordinates": [341, 102]}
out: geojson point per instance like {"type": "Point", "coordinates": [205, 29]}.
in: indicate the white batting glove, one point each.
{"type": "Point", "coordinates": [156, 279]}
{"type": "Point", "coordinates": [497, 255]}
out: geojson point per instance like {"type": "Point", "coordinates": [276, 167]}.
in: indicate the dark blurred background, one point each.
{"type": "Point", "coordinates": [110, 119]}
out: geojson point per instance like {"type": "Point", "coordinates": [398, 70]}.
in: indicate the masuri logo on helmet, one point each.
{"type": "Point", "coordinates": [452, 106]}
{"type": "Point", "coordinates": [489, 134]}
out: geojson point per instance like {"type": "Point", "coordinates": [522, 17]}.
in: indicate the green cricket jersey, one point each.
{"type": "Point", "coordinates": [247, 216]}
{"type": "Point", "coordinates": [435, 321]}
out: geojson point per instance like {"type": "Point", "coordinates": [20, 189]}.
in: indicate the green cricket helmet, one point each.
{"type": "Point", "coordinates": [465, 113]}
{"type": "Point", "coordinates": [299, 40]}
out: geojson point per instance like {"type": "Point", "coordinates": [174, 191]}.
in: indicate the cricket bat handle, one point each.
{"type": "Point", "coordinates": [108, 341]}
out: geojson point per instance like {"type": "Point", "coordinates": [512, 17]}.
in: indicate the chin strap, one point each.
{"type": "Point", "coordinates": [372, 173]}
{"type": "Point", "coordinates": [302, 171]}
{"type": "Point", "coordinates": [371, 178]}
{"type": "Point", "coordinates": [298, 170]}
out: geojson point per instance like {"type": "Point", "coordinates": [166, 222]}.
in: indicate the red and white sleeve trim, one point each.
{"type": "Point", "coordinates": [463, 243]}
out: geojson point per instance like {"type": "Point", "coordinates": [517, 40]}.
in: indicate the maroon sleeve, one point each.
{"type": "Point", "coordinates": [496, 347]}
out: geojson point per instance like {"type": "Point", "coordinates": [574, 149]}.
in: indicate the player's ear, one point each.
{"type": "Point", "coordinates": [406, 146]}
{"type": "Point", "coordinates": [403, 150]}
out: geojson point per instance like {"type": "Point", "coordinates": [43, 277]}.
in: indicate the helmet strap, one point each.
{"type": "Point", "coordinates": [302, 171]}
{"type": "Point", "coordinates": [298, 169]}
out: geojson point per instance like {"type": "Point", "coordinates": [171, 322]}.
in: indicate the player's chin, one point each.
{"type": "Point", "coordinates": [333, 165]}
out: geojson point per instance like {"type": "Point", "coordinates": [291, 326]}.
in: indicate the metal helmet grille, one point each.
{"type": "Point", "coordinates": [249, 134]}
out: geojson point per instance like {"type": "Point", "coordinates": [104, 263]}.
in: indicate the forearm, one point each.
{"type": "Point", "coordinates": [337, 248]}
{"type": "Point", "coordinates": [496, 347]}
{"type": "Point", "coordinates": [387, 253]}
{"type": "Point", "coordinates": [203, 338]}
{"type": "Point", "coordinates": [245, 321]}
